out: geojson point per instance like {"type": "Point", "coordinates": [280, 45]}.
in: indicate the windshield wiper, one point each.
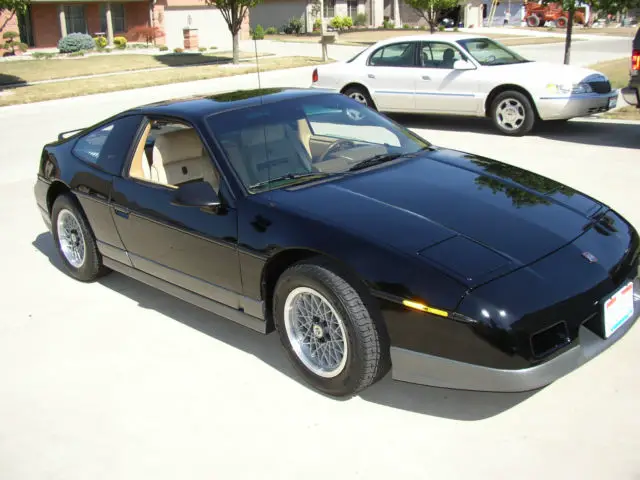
{"type": "Point", "coordinates": [369, 162]}
{"type": "Point", "coordinates": [290, 176]}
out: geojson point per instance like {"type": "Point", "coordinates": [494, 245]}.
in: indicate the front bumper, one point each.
{"type": "Point", "coordinates": [425, 369]}
{"type": "Point", "coordinates": [558, 107]}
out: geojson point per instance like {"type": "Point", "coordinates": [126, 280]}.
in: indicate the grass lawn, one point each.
{"type": "Point", "coordinates": [49, 69]}
{"type": "Point", "coordinates": [370, 37]}
{"type": "Point", "coordinates": [72, 88]}
{"type": "Point", "coordinates": [630, 112]}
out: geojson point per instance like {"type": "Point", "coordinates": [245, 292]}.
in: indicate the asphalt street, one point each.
{"type": "Point", "coordinates": [114, 380]}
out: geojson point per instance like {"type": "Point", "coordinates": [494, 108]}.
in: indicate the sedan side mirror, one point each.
{"type": "Point", "coordinates": [463, 65]}
{"type": "Point", "coordinates": [196, 194]}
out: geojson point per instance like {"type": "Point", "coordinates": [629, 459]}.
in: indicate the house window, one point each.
{"type": "Point", "coordinates": [329, 8]}
{"type": "Point", "coordinates": [352, 8]}
{"type": "Point", "coordinates": [75, 19]}
{"type": "Point", "coordinates": [117, 17]}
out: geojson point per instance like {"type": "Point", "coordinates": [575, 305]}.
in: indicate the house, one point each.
{"type": "Point", "coordinates": [46, 21]}
{"type": "Point", "coordinates": [276, 13]}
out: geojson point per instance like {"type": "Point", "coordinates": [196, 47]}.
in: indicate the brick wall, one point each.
{"type": "Point", "coordinates": [45, 25]}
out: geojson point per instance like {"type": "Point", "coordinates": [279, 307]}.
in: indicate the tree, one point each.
{"type": "Point", "coordinates": [430, 10]}
{"type": "Point", "coordinates": [233, 12]}
{"type": "Point", "coordinates": [19, 6]}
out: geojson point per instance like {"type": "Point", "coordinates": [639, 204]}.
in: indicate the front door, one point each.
{"type": "Point", "coordinates": [190, 247]}
{"type": "Point", "coordinates": [390, 74]}
{"type": "Point", "coordinates": [440, 88]}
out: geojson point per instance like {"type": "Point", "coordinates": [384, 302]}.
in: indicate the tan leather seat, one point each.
{"type": "Point", "coordinates": [179, 157]}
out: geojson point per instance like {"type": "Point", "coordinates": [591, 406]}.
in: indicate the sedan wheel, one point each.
{"type": "Point", "coordinates": [360, 95]}
{"type": "Point", "coordinates": [333, 340]}
{"type": "Point", "coordinates": [75, 241]}
{"type": "Point", "coordinates": [512, 113]}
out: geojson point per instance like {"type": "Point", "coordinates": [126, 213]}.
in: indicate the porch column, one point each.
{"type": "Point", "coordinates": [63, 21]}
{"type": "Point", "coordinates": [107, 12]}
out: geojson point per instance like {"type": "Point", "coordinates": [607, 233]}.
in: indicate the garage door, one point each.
{"type": "Point", "coordinates": [276, 14]}
{"type": "Point", "coordinates": [212, 29]}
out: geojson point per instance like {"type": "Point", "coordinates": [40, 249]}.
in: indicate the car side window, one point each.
{"type": "Point", "coordinates": [172, 153]}
{"type": "Point", "coordinates": [439, 55]}
{"type": "Point", "coordinates": [107, 145]}
{"type": "Point", "coordinates": [394, 55]}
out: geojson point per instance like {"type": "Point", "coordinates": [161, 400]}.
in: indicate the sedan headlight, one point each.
{"type": "Point", "coordinates": [576, 88]}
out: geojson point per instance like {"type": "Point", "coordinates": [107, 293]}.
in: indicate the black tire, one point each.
{"type": "Point", "coordinates": [91, 267]}
{"type": "Point", "coordinates": [521, 104]}
{"type": "Point", "coordinates": [356, 92]}
{"type": "Point", "coordinates": [561, 22]}
{"type": "Point", "coordinates": [533, 21]}
{"type": "Point", "coordinates": [367, 357]}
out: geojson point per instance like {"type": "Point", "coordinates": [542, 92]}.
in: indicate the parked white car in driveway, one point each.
{"type": "Point", "coordinates": [467, 75]}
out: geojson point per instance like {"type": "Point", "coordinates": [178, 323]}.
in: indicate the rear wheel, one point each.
{"type": "Point", "coordinates": [512, 113]}
{"type": "Point", "coordinates": [561, 22]}
{"type": "Point", "coordinates": [360, 95]}
{"type": "Point", "coordinates": [75, 242]}
{"type": "Point", "coordinates": [533, 21]}
{"type": "Point", "coordinates": [327, 331]}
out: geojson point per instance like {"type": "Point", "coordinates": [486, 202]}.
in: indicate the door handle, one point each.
{"type": "Point", "coordinates": [426, 77]}
{"type": "Point", "coordinates": [371, 75]}
{"type": "Point", "coordinates": [121, 212]}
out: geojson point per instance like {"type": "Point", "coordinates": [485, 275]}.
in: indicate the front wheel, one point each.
{"type": "Point", "coordinates": [327, 331]}
{"type": "Point", "coordinates": [512, 113]}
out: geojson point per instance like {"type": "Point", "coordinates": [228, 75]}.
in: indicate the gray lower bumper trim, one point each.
{"type": "Point", "coordinates": [424, 369]}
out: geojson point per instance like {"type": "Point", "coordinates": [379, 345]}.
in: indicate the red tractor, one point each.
{"type": "Point", "coordinates": [537, 15]}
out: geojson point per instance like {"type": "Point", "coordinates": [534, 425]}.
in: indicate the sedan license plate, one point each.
{"type": "Point", "coordinates": [618, 309]}
{"type": "Point", "coordinates": [613, 101]}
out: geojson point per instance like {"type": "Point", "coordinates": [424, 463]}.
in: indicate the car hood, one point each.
{"type": "Point", "coordinates": [474, 217]}
{"type": "Point", "coordinates": [544, 72]}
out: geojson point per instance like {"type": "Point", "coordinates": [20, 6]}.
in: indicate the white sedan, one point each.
{"type": "Point", "coordinates": [467, 75]}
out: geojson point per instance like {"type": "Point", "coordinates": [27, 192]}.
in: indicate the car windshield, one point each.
{"type": "Point", "coordinates": [307, 138]}
{"type": "Point", "coordinates": [488, 52]}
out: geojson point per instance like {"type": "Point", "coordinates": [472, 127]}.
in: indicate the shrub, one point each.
{"type": "Point", "coordinates": [258, 33]}
{"type": "Point", "coordinates": [10, 36]}
{"type": "Point", "coordinates": [294, 26]}
{"type": "Point", "coordinates": [388, 24]}
{"type": "Point", "coordinates": [79, 53]}
{"type": "Point", "coordinates": [361, 19]}
{"type": "Point", "coordinates": [145, 33]}
{"type": "Point", "coordinates": [406, 26]}
{"type": "Point", "coordinates": [271, 31]}
{"type": "Point", "coordinates": [213, 47]}
{"type": "Point", "coordinates": [202, 49]}
{"type": "Point", "coordinates": [336, 22]}
{"type": "Point", "coordinates": [347, 22]}
{"type": "Point", "coordinates": [317, 25]}
{"type": "Point", "coordinates": [43, 55]}
{"type": "Point", "coordinates": [163, 48]}
{"type": "Point", "coordinates": [455, 29]}
{"type": "Point", "coordinates": [178, 50]}
{"type": "Point", "coordinates": [75, 42]}
{"type": "Point", "coordinates": [441, 28]}
{"type": "Point", "coordinates": [120, 42]}
{"type": "Point", "coordinates": [100, 42]}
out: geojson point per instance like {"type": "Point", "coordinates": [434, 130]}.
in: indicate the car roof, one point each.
{"type": "Point", "coordinates": [435, 37]}
{"type": "Point", "coordinates": [197, 106]}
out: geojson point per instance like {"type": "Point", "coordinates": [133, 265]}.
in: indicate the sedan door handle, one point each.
{"type": "Point", "coordinates": [426, 77]}
{"type": "Point", "coordinates": [121, 212]}
{"type": "Point", "coordinates": [371, 75]}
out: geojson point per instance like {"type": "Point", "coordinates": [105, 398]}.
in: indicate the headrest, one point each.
{"type": "Point", "coordinates": [179, 145]}
{"type": "Point", "coordinates": [256, 135]}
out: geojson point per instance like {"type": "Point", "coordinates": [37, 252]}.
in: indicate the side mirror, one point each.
{"type": "Point", "coordinates": [196, 194]}
{"type": "Point", "coordinates": [463, 65]}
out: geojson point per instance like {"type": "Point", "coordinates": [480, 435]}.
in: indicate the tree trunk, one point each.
{"type": "Point", "coordinates": [567, 42]}
{"type": "Point", "coordinates": [236, 47]}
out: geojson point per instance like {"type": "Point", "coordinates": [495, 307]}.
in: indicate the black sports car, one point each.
{"type": "Point", "coordinates": [364, 246]}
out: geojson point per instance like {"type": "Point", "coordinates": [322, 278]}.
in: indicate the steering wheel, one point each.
{"type": "Point", "coordinates": [337, 145]}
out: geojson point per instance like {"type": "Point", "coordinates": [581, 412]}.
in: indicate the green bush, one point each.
{"type": "Point", "coordinates": [455, 29]}
{"type": "Point", "coordinates": [337, 23]}
{"type": "Point", "coordinates": [43, 55]}
{"type": "Point", "coordinates": [120, 42]}
{"type": "Point", "coordinates": [178, 50]}
{"type": "Point", "coordinates": [388, 24]}
{"type": "Point", "coordinates": [317, 25]}
{"type": "Point", "coordinates": [100, 42]}
{"type": "Point", "coordinates": [361, 19]}
{"type": "Point", "coordinates": [79, 53]}
{"type": "Point", "coordinates": [271, 31]}
{"type": "Point", "coordinates": [258, 33]}
{"type": "Point", "coordinates": [74, 42]}
{"type": "Point", "coordinates": [347, 22]}
{"type": "Point", "coordinates": [294, 26]}
{"type": "Point", "coordinates": [10, 35]}
{"type": "Point", "coordinates": [441, 28]}
{"type": "Point", "coordinates": [202, 49]}
{"type": "Point", "coordinates": [213, 48]}
{"type": "Point", "coordinates": [164, 48]}
{"type": "Point", "coordinates": [406, 26]}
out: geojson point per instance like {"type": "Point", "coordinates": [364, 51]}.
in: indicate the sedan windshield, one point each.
{"type": "Point", "coordinates": [488, 52]}
{"type": "Point", "coordinates": [308, 138]}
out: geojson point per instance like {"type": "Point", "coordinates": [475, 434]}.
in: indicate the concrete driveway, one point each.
{"type": "Point", "coordinates": [114, 380]}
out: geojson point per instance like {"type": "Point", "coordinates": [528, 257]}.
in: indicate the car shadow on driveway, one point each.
{"type": "Point", "coordinates": [622, 135]}
{"type": "Point", "coordinates": [432, 401]}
